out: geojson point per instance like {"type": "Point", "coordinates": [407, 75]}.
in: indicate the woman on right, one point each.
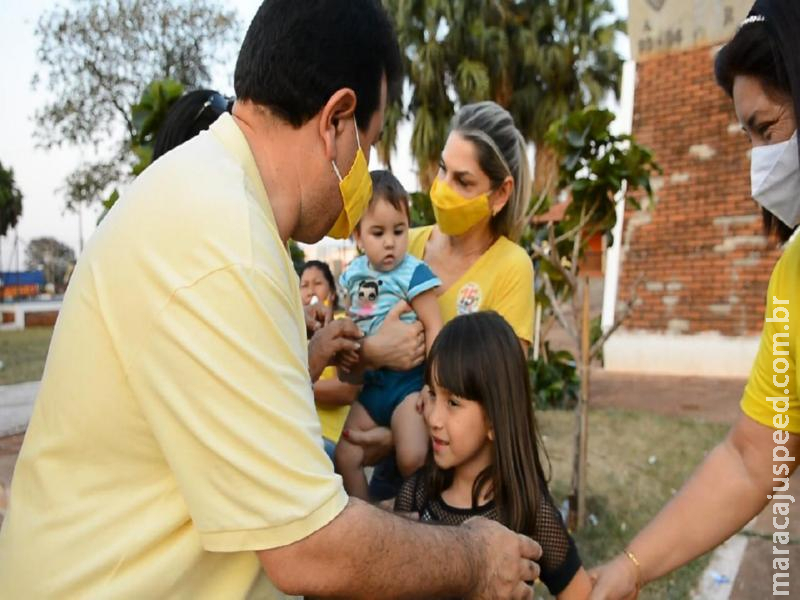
{"type": "Point", "coordinates": [760, 70]}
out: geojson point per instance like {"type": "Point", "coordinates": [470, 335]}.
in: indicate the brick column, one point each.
{"type": "Point", "coordinates": [705, 262]}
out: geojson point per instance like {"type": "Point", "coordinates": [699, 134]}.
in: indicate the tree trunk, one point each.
{"type": "Point", "coordinates": [577, 504]}
{"type": "Point", "coordinates": [545, 175]}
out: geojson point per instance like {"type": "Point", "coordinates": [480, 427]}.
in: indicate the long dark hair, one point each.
{"type": "Point", "coordinates": [766, 47]}
{"type": "Point", "coordinates": [479, 357]}
{"type": "Point", "coordinates": [192, 113]}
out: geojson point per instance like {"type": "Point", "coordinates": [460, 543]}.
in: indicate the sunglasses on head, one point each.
{"type": "Point", "coordinates": [218, 103]}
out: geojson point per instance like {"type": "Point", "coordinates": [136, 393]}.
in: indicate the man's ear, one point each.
{"type": "Point", "coordinates": [334, 118]}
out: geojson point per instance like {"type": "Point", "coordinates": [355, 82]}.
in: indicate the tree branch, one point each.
{"type": "Point", "coordinates": [554, 304]}
{"type": "Point", "coordinates": [618, 321]}
{"type": "Point", "coordinates": [583, 222]}
{"type": "Point", "coordinates": [555, 257]}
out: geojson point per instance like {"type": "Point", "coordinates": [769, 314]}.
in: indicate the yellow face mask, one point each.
{"type": "Point", "coordinates": [356, 189]}
{"type": "Point", "coordinates": [455, 214]}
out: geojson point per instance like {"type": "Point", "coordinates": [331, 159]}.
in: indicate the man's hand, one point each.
{"type": "Point", "coordinates": [615, 580]}
{"type": "Point", "coordinates": [396, 345]}
{"type": "Point", "coordinates": [509, 567]}
{"type": "Point", "coordinates": [341, 336]}
{"type": "Point", "coordinates": [317, 316]}
{"type": "Point", "coordinates": [377, 443]}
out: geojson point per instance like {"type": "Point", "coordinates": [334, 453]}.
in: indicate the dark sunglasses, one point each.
{"type": "Point", "coordinates": [218, 102]}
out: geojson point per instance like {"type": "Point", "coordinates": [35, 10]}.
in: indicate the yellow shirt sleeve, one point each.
{"type": "Point", "coordinates": [513, 295]}
{"type": "Point", "coordinates": [224, 385]}
{"type": "Point", "coordinates": [770, 397]}
{"type": "Point", "coordinates": [332, 418]}
{"type": "Point", "coordinates": [417, 238]}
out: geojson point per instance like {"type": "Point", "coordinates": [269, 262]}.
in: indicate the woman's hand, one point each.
{"type": "Point", "coordinates": [340, 338]}
{"type": "Point", "coordinates": [396, 345]}
{"type": "Point", "coordinates": [615, 580]}
{"type": "Point", "coordinates": [317, 316]}
{"type": "Point", "coordinates": [377, 442]}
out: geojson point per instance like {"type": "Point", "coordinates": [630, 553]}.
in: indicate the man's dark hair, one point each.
{"type": "Point", "coordinates": [297, 53]}
{"type": "Point", "coordinates": [767, 47]}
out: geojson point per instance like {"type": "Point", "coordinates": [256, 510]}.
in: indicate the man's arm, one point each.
{"type": "Point", "coordinates": [368, 553]}
{"type": "Point", "coordinates": [728, 489]}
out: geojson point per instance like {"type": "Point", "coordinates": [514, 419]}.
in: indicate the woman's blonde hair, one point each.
{"type": "Point", "coordinates": [501, 152]}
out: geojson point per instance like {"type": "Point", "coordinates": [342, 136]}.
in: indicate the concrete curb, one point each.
{"type": "Point", "coordinates": [716, 582]}
{"type": "Point", "coordinates": [16, 406]}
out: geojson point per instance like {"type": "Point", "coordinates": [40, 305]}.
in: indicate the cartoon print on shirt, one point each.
{"type": "Point", "coordinates": [365, 302]}
{"type": "Point", "coordinates": [469, 299]}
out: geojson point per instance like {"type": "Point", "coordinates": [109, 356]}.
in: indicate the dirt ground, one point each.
{"type": "Point", "coordinates": [709, 399]}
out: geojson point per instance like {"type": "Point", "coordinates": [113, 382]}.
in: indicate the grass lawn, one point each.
{"type": "Point", "coordinates": [23, 354]}
{"type": "Point", "coordinates": [625, 490]}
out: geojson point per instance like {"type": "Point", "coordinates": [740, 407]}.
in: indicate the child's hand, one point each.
{"type": "Point", "coordinates": [347, 360]}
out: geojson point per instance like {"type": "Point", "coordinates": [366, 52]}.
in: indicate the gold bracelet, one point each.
{"type": "Point", "coordinates": [638, 566]}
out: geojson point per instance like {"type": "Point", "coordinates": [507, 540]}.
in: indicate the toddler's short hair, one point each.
{"type": "Point", "coordinates": [385, 186]}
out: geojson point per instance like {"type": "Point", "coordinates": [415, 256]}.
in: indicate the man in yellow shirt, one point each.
{"type": "Point", "coordinates": [174, 450]}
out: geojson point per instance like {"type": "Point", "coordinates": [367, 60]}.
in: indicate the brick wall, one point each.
{"type": "Point", "coordinates": [705, 263]}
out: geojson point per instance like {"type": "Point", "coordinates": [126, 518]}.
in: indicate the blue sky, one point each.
{"type": "Point", "coordinates": [40, 173]}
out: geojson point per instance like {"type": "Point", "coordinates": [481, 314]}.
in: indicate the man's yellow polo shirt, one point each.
{"type": "Point", "coordinates": [175, 431]}
{"type": "Point", "coordinates": [771, 395]}
{"type": "Point", "coordinates": [500, 280]}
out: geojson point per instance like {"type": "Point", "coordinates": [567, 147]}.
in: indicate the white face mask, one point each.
{"type": "Point", "coordinates": [775, 179]}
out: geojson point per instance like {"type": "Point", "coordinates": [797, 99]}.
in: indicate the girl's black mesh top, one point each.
{"type": "Point", "coordinates": [559, 561]}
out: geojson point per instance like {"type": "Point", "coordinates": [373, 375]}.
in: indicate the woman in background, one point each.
{"type": "Point", "coordinates": [332, 396]}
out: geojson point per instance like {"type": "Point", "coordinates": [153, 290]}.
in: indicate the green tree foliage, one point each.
{"type": "Point", "coordinates": [147, 116]}
{"type": "Point", "coordinates": [595, 166]}
{"type": "Point", "coordinates": [540, 59]}
{"type": "Point", "coordinates": [421, 209]}
{"type": "Point", "coordinates": [297, 255]}
{"type": "Point", "coordinates": [55, 258]}
{"type": "Point", "coordinates": [96, 58]}
{"type": "Point", "coordinates": [10, 200]}
{"type": "Point", "coordinates": [571, 63]}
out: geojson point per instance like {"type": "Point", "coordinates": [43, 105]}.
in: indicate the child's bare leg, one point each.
{"type": "Point", "coordinates": [349, 457]}
{"type": "Point", "coordinates": [410, 436]}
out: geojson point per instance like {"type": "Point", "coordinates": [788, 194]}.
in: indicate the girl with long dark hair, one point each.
{"type": "Point", "coordinates": [486, 451]}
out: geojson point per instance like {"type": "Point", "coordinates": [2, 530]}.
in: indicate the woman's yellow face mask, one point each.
{"type": "Point", "coordinates": [454, 213]}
